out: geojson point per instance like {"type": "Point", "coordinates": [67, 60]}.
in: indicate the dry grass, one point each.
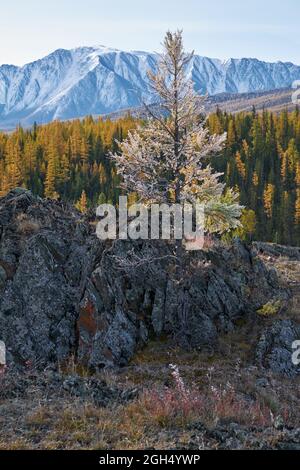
{"type": "Point", "coordinates": [80, 426]}
{"type": "Point", "coordinates": [162, 417]}
{"type": "Point", "coordinates": [270, 309]}
{"type": "Point", "coordinates": [27, 226]}
{"type": "Point", "coordinates": [180, 405]}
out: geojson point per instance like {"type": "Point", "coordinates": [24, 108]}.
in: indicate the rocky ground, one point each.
{"type": "Point", "coordinates": [90, 343]}
{"type": "Point", "coordinates": [230, 404]}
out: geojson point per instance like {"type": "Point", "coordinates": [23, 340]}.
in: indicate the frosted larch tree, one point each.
{"type": "Point", "coordinates": [166, 159]}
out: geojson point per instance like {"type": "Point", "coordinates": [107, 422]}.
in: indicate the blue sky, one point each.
{"type": "Point", "coordinates": [266, 29]}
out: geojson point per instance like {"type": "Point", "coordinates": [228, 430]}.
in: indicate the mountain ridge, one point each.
{"type": "Point", "coordinates": [68, 84]}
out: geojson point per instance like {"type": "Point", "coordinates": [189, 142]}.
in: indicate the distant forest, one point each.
{"type": "Point", "coordinates": [261, 159]}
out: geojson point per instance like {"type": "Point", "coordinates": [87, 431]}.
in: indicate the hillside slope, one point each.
{"type": "Point", "coordinates": [242, 388]}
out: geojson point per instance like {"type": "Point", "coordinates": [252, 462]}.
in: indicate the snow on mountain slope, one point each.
{"type": "Point", "coordinates": [97, 80]}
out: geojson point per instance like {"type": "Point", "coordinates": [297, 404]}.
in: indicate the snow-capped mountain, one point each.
{"type": "Point", "coordinates": [98, 80]}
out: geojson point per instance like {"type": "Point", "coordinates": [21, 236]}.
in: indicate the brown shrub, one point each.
{"type": "Point", "coordinates": [180, 405]}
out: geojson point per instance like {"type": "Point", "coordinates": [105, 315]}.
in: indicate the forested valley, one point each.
{"type": "Point", "coordinates": [261, 160]}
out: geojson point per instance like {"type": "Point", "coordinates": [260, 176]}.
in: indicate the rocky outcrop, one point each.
{"type": "Point", "coordinates": [56, 386]}
{"type": "Point", "coordinates": [63, 291]}
{"type": "Point", "coordinates": [43, 252]}
{"type": "Point", "coordinates": [233, 436]}
{"type": "Point", "coordinates": [271, 249]}
{"type": "Point", "coordinates": [121, 310]}
{"type": "Point", "coordinates": [275, 351]}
